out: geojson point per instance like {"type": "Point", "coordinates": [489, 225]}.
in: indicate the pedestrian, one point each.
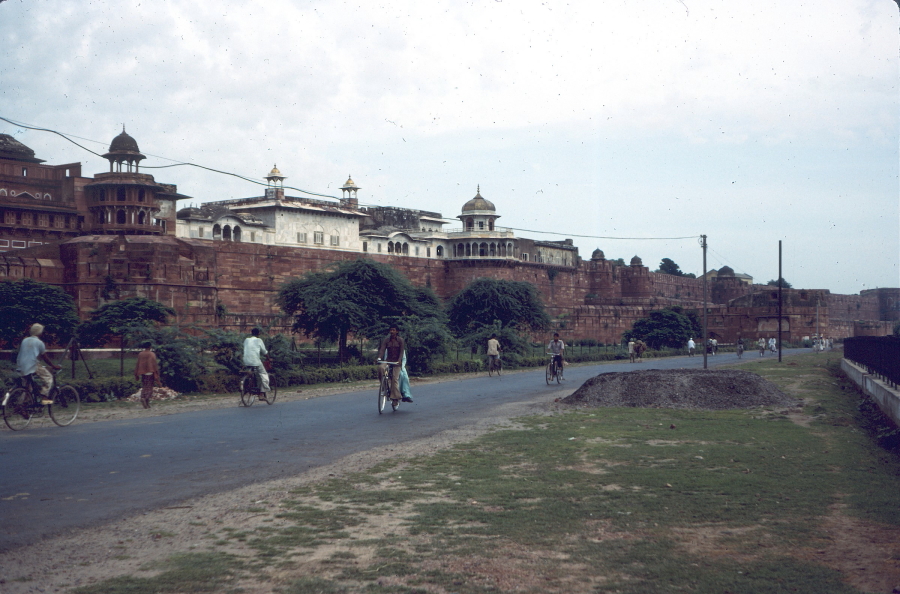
{"type": "Point", "coordinates": [691, 346]}
{"type": "Point", "coordinates": [631, 350]}
{"type": "Point", "coordinates": [147, 372]}
{"type": "Point", "coordinates": [715, 346]}
{"type": "Point", "coordinates": [762, 346]}
{"type": "Point", "coordinates": [28, 365]}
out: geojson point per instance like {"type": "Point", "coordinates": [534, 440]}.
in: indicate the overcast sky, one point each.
{"type": "Point", "coordinates": [750, 122]}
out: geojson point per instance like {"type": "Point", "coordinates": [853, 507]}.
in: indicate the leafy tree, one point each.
{"type": "Point", "coordinates": [661, 328]}
{"type": "Point", "coordinates": [118, 318]}
{"type": "Point", "coordinates": [514, 304]}
{"type": "Point", "coordinates": [667, 266]}
{"type": "Point", "coordinates": [426, 339]}
{"type": "Point", "coordinates": [359, 296]}
{"type": "Point", "coordinates": [25, 302]}
{"type": "Point", "coordinates": [774, 283]}
{"type": "Point", "coordinates": [694, 316]}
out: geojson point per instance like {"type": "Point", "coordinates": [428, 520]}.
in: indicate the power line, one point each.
{"type": "Point", "coordinates": [259, 183]}
{"type": "Point", "coordinates": [176, 164]}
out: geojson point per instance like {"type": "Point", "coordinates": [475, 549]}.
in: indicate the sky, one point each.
{"type": "Point", "coordinates": [633, 126]}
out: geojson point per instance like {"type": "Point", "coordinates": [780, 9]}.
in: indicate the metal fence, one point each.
{"type": "Point", "coordinates": [880, 355]}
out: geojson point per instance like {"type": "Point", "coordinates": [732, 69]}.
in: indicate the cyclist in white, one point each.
{"type": "Point", "coordinates": [556, 348]}
{"type": "Point", "coordinates": [254, 351]}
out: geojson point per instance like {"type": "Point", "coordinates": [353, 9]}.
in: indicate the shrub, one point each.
{"type": "Point", "coordinates": [105, 389]}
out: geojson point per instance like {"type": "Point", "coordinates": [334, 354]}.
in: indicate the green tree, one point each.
{"type": "Point", "coordinates": [426, 339]}
{"type": "Point", "coordinates": [774, 283]}
{"type": "Point", "coordinates": [667, 266]}
{"type": "Point", "coordinates": [25, 302]}
{"type": "Point", "coordinates": [515, 304]}
{"type": "Point", "coordinates": [662, 328]}
{"type": "Point", "coordinates": [360, 296]}
{"type": "Point", "coordinates": [117, 318]}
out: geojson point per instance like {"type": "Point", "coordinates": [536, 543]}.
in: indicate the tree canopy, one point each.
{"type": "Point", "coordinates": [120, 317]}
{"type": "Point", "coordinates": [774, 283]}
{"type": "Point", "coordinates": [515, 304]}
{"type": "Point", "coordinates": [25, 302]}
{"type": "Point", "coordinates": [359, 296]}
{"type": "Point", "coordinates": [667, 266]}
{"type": "Point", "coordinates": [662, 328]}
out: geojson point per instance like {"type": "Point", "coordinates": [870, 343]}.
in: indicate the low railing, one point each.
{"type": "Point", "coordinates": [880, 355]}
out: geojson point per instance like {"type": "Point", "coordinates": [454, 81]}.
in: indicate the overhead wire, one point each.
{"type": "Point", "coordinates": [178, 163]}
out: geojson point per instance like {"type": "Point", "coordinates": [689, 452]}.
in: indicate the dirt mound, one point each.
{"type": "Point", "coordinates": [680, 388]}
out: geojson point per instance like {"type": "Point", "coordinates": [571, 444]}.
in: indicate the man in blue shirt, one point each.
{"type": "Point", "coordinates": [31, 351]}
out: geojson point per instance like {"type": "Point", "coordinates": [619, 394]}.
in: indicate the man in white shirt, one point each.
{"type": "Point", "coordinates": [493, 351]}
{"type": "Point", "coordinates": [691, 346]}
{"type": "Point", "coordinates": [254, 351]}
{"type": "Point", "coordinates": [556, 347]}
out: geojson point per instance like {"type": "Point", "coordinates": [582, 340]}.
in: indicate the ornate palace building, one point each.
{"type": "Point", "coordinates": [120, 233]}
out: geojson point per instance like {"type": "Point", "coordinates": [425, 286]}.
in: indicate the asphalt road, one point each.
{"type": "Point", "coordinates": [53, 480]}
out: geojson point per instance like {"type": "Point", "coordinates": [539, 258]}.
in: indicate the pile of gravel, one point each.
{"type": "Point", "coordinates": [680, 388]}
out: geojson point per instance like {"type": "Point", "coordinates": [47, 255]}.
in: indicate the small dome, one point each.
{"type": "Point", "coordinates": [598, 255]}
{"type": "Point", "coordinates": [478, 203]}
{"type": "Point", "coordinates": [726, 271]}
{"type": "Point", "coordinates": [123, 143]}
{"type": "Point", "coordinates": [637, 261]}
{"type": "Point", "coordinates": [349, 183]}
{"type": "Point", "coordinates": [274, 172]}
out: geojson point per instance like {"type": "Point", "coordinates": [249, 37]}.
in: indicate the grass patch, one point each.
{"type": "Point", "coordinates": [192, 572]}
{"type": "Point", "coordinates": [601, 500]}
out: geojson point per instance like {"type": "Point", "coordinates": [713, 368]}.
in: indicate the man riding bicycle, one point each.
{"type": "Point", "coordinates": [556, 348]}
{"type": "Point", "coordinates": [32, 349]}
{"type": "Point", "coordinates": [392, 348]}
{"type": "Point", "coordinates": [254, 351]}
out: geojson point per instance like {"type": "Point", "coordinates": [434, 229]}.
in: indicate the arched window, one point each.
{"type": "Point", "coordinates": [120, 217]}
{"type": "Point", "coordinates": [120, 194]}
{"type": "Point", "coordinates": [405, 249]}
{"type": "Point", "coordinates": [440, 251]}
{"type": "Point", "coordinates": [2, 191]}
{"type": "Point", "coordinates": [468, 249]}
{"type": "Point", "coordinates": [236, 233]}
{"type": "Point", "coordinates": [482, 250]}
{"type": "Point", "coordinates": [141, 218]}
{"type": "Point", "coordinates": [491, 225]}
{"type": "Point", "coordinates": [226, 233]}
{"type": "Point", "coordinates": [390, 247]}
{"type": "Point", "coordinates": [493, 249]}
{"type": "Point", "coordinates": [217, 231]}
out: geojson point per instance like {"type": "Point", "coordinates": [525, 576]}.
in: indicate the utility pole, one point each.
{"type": "Point", "coordinates": [780, 287]}
{"type": "Point", "coordinates": [705, 330]}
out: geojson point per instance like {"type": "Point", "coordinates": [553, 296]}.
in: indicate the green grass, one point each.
{"type": "Point", "coordinates": [192, 572]}
{"type": "Point", "coordinates": [602, 500]}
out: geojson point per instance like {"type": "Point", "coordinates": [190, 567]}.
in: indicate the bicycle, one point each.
{"type": "Point", "coordinates": [250, 391]}
{"type": "Point", "coordinates": [384, 389]}
{"type": "Point", "coordinates": [554, 371]}
{"type": "Point", "coordinates": [494, 364]}
{"type": "Point", "coordinates": [20, 404]}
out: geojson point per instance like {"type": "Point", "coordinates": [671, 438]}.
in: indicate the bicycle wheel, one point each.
{"type": "Point", "coordinates": [499, 367]}
{"type": "Point", "coordinates": [248, 391]}
{"type": "Point", "coordinates": [559, 374]}
{"type": "Point", "coordinates": [17, 408]}
{"type": "Point", "coordinates": [272, 394]}
{"type": "Point", "coordinates": [384, 388]}
{"type": "Point", "coordinates": [549, 373]}
{"type": "Point", "coordinates": [490, 368]}
{"type": "Point", "coordinates": [65, 407]}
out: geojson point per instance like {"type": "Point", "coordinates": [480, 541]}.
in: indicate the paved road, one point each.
{"type": "Point", "coordinates": [54, 479]}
